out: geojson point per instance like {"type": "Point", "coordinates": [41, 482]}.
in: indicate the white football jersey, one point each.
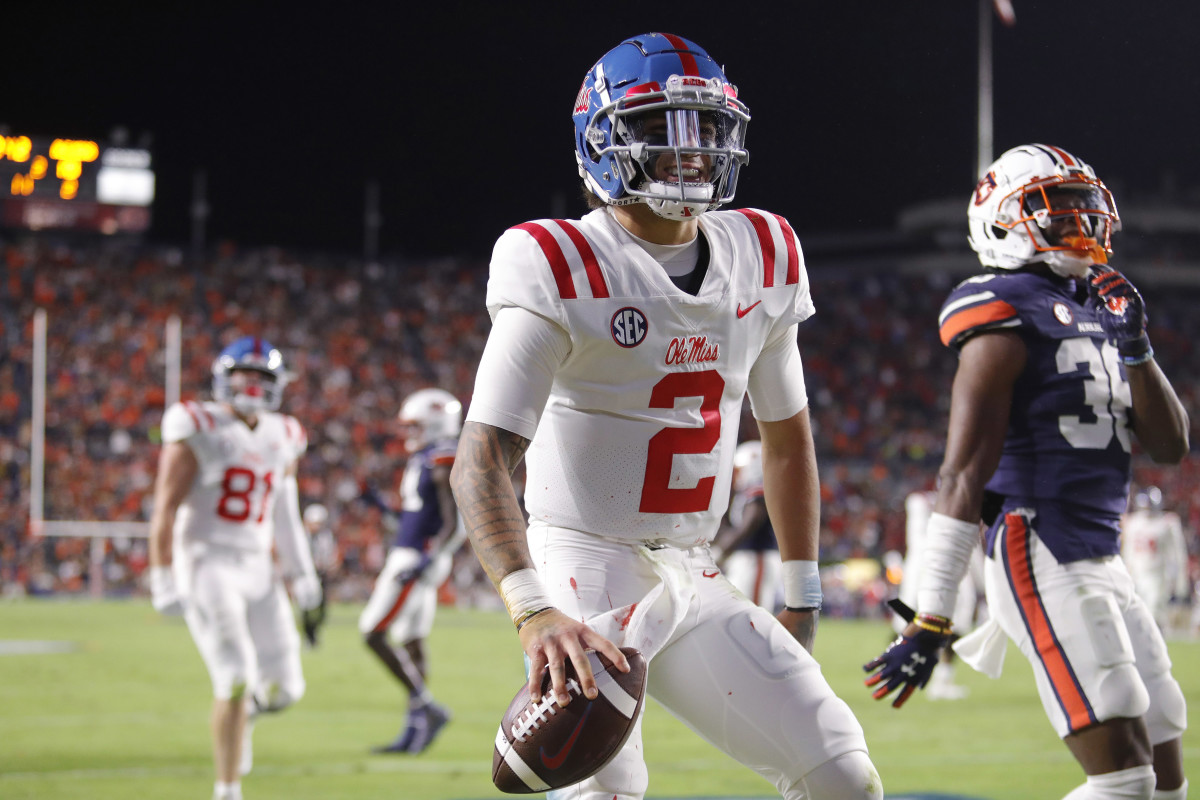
{"type": "Point", "coordinates": [1154, 550]}
{"type": "Point", "coordinates": [234, 495]}
{"type": "Point", "coordinates": [637, 438]}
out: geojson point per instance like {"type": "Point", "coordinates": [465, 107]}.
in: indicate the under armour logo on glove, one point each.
{"type": "Point", "coordinates": [909, 661]}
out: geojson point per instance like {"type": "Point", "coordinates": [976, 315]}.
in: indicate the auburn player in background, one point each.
{"type": "Point", "coordinates": [1055, 376]}
{"type": "Point", "coordinates": [622, 347]}
{"type": "Point", "coordinates": [399, 615]}
{"type": "Point", "coordinates": [225, 493]}
{"type": "Point", "coordinates": [747, 551]}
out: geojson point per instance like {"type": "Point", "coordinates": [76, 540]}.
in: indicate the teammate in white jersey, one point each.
{"type": "Point", "coordinates": [622, 347]}
{"type": "Point", "coordinates": [225, 493]}
{"type": "Point", "coordinates": [1155, 552]}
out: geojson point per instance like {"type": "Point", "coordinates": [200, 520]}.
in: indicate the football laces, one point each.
{"type": "Point", "coordinates": [536, 714]}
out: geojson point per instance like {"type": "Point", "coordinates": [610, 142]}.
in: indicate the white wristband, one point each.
{"type": "Point", "coordinates": [522, 592]}
{"type": "Point", "coordinates": [801, 584]}
{"type": "Point", "coordinates": [945, 556]}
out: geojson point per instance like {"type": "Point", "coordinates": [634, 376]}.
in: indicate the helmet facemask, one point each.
{"type": "Point", "coordinates": [262, 392]}
{"type": "Point", "coordinates": [677, 149]}
{"type": "Point", "coordinates": [1070, 223]}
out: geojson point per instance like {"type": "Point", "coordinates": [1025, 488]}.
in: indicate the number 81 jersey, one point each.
{"type": "Point", "coordinates": [241, 472]}
{"type": "Point", "coordinates": [637, 437]}
{"type": "Point", "coordinates": [1067, 449]}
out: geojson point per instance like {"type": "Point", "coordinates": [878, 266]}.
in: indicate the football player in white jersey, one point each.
{"type": "Point", "coordinates": [622, 347]}
{"type": "Point", "coordinates": [226, 491]}
{"type": "Point", "coordinates": [1155, 551]}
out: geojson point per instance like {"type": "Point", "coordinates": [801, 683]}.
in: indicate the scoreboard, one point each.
{"type": "Point", "coordinates": [77, 184]}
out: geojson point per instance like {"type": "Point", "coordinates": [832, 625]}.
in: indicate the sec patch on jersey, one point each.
{"type": "Point", "coordinates": [541, 746]}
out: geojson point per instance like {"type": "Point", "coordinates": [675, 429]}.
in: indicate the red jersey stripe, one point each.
{"type": "Point", "coordinates": [766, 241]}
{"type": "Point", "coordinates": [995, 311]}
{"type": "Point", "coordinates": [685, 55]}
{"type": "Point", "coordinates": [789, 238]}
{"type": "Point", "coordinates": [590, 264]}
{"type": "Point", "coordinates": [190, 408]}
{"type": "Point", "coordinates": [554, 255]}
{"type": "Point", "coordinates": [1054, 660]}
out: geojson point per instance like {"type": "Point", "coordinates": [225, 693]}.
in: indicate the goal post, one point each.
{"type": "Point", "coordinates": [99, 531]}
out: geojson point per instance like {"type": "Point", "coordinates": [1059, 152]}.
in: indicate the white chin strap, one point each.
{"type": "Point", "coordinates": [1068, 264]}
{"type": "Point", "coordinates": [696, 199]}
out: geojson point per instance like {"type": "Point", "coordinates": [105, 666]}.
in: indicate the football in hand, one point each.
{"type": "Point", "coordinates": [541, 746]}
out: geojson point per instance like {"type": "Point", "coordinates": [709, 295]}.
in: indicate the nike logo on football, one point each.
{"type": "Point", "coordinates": [555, 761]}
{"type": "Point", "coordinates": [741, 312]}
{"type": "Point", "coordinates": [715, 572]}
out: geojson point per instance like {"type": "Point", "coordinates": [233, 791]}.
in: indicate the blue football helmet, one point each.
{"type": "Point", "coordinates": [620, 134]}
{"type": "Point", "coordinates": [250, 353]}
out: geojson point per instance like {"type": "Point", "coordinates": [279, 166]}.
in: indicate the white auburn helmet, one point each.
{"type": "Point", "coordinates": [429, 415]}
{"type": "Point", "coordinates": [747, 465]}
{"type": "Point", "coordinates": [1149, 500]}
{"type": "Point", "coordinates": [316, 514]}
{"type": "Point", "coordinates": [1023, 193]}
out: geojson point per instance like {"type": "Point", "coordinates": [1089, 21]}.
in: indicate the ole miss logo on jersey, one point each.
{"type": "Point", "coordinates": [629, 327]}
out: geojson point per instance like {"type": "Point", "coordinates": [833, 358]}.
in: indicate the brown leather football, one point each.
{"type": "Point", "coordinates": [541, 746]}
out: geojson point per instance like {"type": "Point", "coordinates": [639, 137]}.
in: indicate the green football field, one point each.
{"type": "Point", "coordinates": [109, 700]}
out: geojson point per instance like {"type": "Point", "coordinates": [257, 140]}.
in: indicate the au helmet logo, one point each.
{"type": "Point", "coordinates": [629, 327]}
{"type": "Point", "coordinates": [985, 188]}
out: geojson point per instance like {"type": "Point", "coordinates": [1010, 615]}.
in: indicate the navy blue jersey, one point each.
{"type": "Point", "coordinates": [420, 514]}
{"type": "Point", "coordinates": [1067, 448]}
{"type": "Point", "coordinates": [762, 537]}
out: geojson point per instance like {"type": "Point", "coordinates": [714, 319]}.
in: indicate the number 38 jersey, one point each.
{"type": "Point", "coordinates": [241, 472]}
{"type": "Point", "coordinates": [637, 436]}
{"type": "Point", "coordinates": [1067, 450]}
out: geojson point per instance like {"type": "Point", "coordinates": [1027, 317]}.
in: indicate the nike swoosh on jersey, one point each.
{"type": "Point", "coordinates": [714, 573]}
{"type": "Point", "coordinates": [555, 761]}
{"type": "Point", "coordinates": [741, 312]}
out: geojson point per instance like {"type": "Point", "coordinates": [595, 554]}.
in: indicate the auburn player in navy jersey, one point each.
{"type": "Point", "coordinates": [399, 615]}
{"type": "Point", "coordinates": [1055, 377]}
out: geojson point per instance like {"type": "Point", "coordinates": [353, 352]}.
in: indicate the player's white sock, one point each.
{"type": "Point", "coordinates": [1135, 783]}
{"type": "Point", "coordinates": [227, 791]}
{"type": "Point", "coordinates": [1174, 794]}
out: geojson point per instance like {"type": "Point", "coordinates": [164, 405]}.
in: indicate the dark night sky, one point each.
{"type": "Point", "coordinates": [462, 111]}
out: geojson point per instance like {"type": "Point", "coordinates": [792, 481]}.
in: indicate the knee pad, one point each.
{"type": "Point", "coordinates": [271, 696]}
{"type": "Point", "coordinates": [1136, 783]}
{"type": "Point", "coordinates": [850, 776]}
{"type": "Point", "coordinates": [1167, 717]}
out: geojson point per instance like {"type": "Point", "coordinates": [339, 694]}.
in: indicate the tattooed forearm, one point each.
{"type": "Point", "coordinates": [482, 485]}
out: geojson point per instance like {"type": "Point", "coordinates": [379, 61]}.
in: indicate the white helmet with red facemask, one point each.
{"type": "Point", "coordinates": [1039, 203]}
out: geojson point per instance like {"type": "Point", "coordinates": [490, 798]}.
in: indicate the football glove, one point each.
{"type": "Point", "coordinates": [1121, 312]}
{"type": "Point", "coordinates": [908, 662]}
{"type": "Point", "coordinates": [164, 595]}
{"type": "Point", "coordinates": [306, 591]}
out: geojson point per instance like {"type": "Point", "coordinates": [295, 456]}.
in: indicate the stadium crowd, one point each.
{"type": "Point", "coordinates": [359, 337]}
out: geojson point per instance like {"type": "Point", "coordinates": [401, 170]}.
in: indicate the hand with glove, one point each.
{"type": "Point", "coordinates": [164, 595]}
{"type": "Point", "coordinates": [1121, 312]}
{"type": "Point", "coordinates": [908, 662]}
{"type": "Point", "coordinates": [306, 591]}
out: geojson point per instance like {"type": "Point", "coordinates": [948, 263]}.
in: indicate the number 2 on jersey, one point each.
{"type": "Point", "coordinates": [658, 496]}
